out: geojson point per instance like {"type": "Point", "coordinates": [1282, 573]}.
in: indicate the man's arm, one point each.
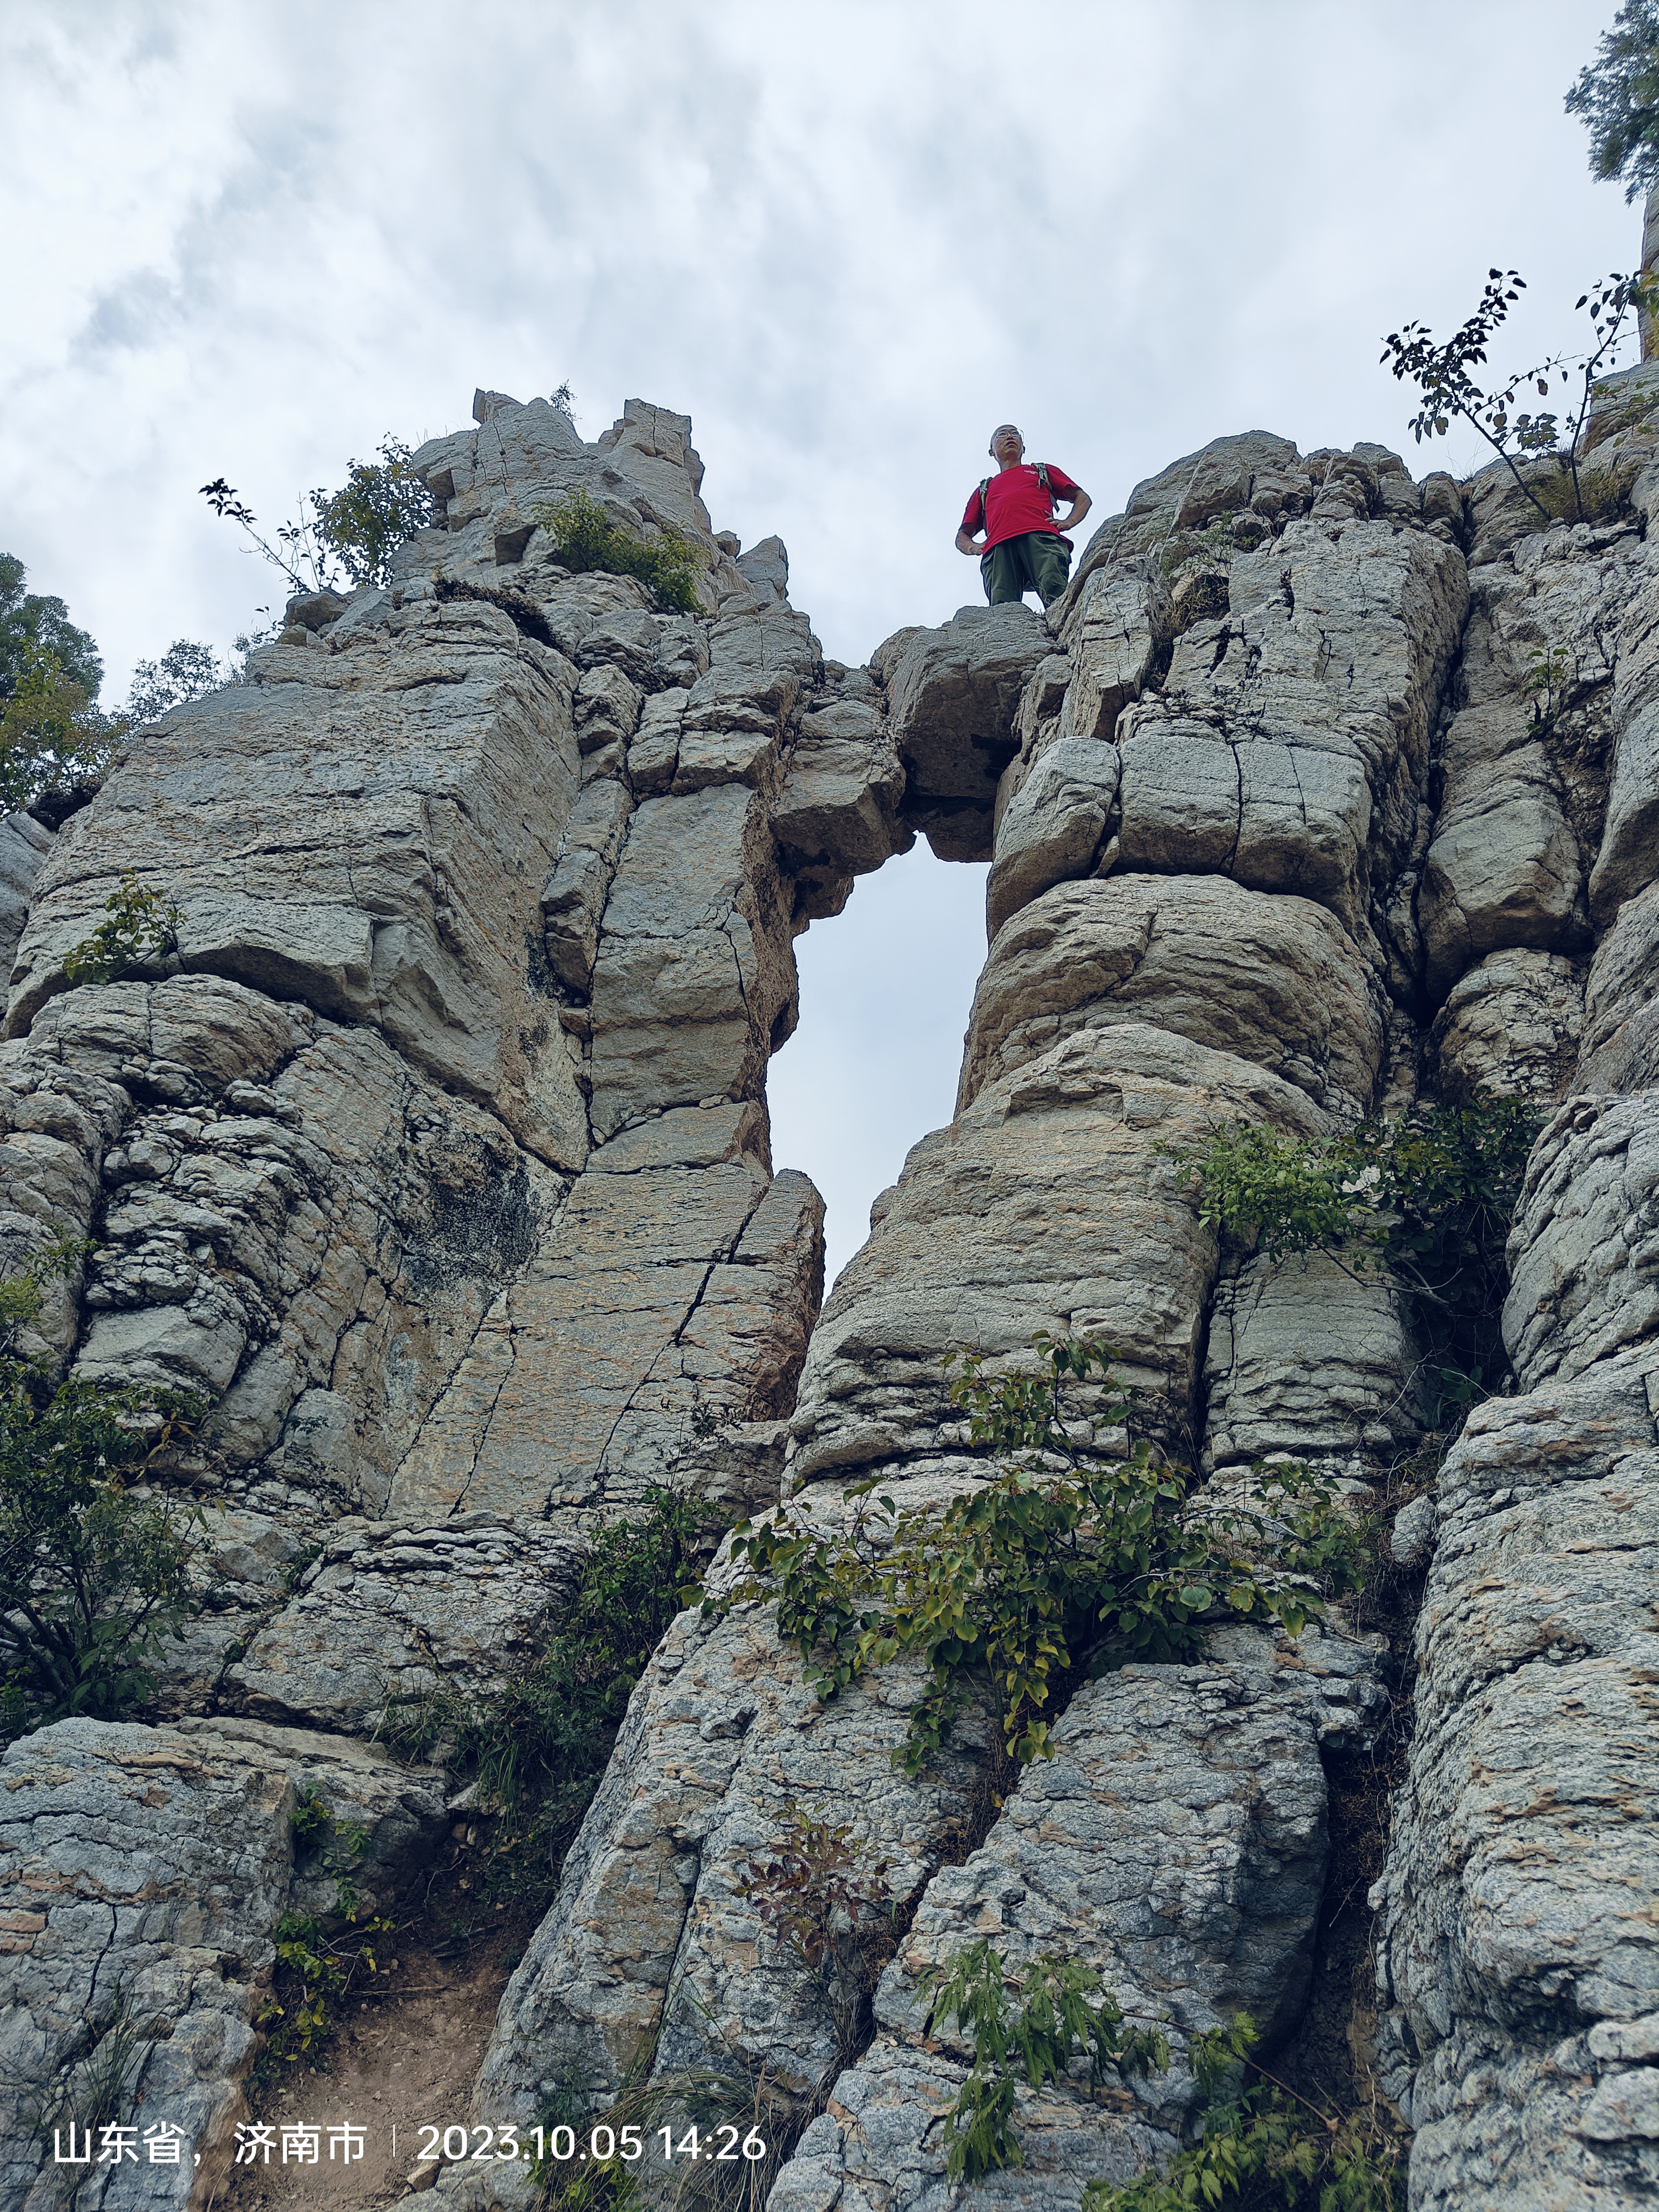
{"type": "Point", "coordinates": [964, 541]}
{"type": "Point", "coordinates": [975, 508]}
{"type": "Point", "coordinates": [1081, 503]}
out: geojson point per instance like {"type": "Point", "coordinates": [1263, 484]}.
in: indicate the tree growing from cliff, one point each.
{"type": "Point", "coordinates": [96, 1568]}
{"type": "Point", "coordinates": [350, 536]}
{"type": "Point", "coordinates": [1617, 97]}
{"type": "Point", "coordinates": [1449, 389]}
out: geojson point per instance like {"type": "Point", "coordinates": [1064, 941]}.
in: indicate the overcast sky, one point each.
{"type": "Point", "coordinates": [847, 239]}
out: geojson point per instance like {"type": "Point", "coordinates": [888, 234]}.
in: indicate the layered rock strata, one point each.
{"type": "Point", "coordinates": [438, 1155]}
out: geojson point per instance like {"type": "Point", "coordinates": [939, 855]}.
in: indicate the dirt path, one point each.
{"type": "Point", "coordinates": [402, 2060]}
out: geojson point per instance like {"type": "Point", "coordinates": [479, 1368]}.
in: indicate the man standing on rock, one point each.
{"type": "Point", "coordinates": [1023, 550]}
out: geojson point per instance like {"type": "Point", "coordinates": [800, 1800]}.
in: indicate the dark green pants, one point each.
{"type": "Point", "coordinates": [1038, 562]}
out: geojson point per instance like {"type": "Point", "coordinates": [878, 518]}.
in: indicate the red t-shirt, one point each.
{"type": "Point", "coordinates": [1015, 502]}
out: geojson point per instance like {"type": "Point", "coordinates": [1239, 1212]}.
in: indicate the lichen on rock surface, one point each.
{"type": "Point", "coordinates": [436, 1155]}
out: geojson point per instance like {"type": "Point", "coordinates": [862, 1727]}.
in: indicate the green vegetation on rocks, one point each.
{"type": "Point", "coordinates": [583, 538]}
{"type": "Point", "coordinates": [1426, 1198]}
{"type": "Point", "coordinates": [1064, 1558]}
{"type": "Point", "coordinates": [97, 1567]}
{"type": "Point", "coordinates": [538, 1747]}
{"type": "Point", "coordinates": [139, 924]}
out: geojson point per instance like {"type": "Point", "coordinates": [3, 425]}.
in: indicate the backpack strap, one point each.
{"type": "Point", "coordinates": [985, 485]}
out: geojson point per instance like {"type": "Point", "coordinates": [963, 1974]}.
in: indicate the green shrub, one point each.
{"type": "Point", "coordinates": [93, 1578]}
{"type": "Point", "coordinates": [1263, 2149]}
{"type": "Point", "coordinates": [1036, 2038]}
{"type": "Point", "coordinates": [1427, 1198]}
{"type": "Point", "coordinates": [585, 538]}
{"type": "Point", "coordinates": [1271, 2151]}
{"type": "Point", "coordinates": [538, 1747]}
{"type": "Point", "coordinates": [141, 925]}
{"type": "Point", "coordinates": [315, 1968]}
{"type": "Point", "coordinates": [1063, 1558]}
{"type": "Point", "coordinates": [818, 1902]}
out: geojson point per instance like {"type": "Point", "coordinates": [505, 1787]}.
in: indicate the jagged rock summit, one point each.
{"type": "Point", "coordinates": [437, 1155]}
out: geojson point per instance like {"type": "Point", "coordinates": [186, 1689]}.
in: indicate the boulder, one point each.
{"type": "Point", "coordinates": [1311, 1358]}
{"type": "Point", "coordinates": [393, 1611]}
{"type": "Point", "coordinates": [1620, 1046]}
{"type": "Point", "coordinates": [1191, 1884]}
{"type": "Point", "coordinates": [1051, 1202]}
{"type": "Point", "coordinates": [146, 1870]}
{"type": "Point", "coordinates": [951, 696]}
{"type": "Point", "coordinates": [1289, 742]}
{"type": "Point", "coordinates": [1054, 826]}
{"type": "Point", "coordinates": [1583, 1252]}
{"type": "Point", "coordinates": [1274, 980]}
{"type": "Point", "coordinates": [1511, 1028]}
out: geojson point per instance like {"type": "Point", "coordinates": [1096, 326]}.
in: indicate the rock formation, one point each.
{"type": "Point", "coordinates": [437, 1155]}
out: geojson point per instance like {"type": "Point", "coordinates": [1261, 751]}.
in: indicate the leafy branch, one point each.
{"type": "Point", "coordinates": [139, 924]}
{"type": "Point", "coordinates": [381, 505]}
{"type": "Point", "coordinates": [1036, 2038]}
{"type": "Point", "coordinates": [1447, 386]}
{"type": "Point", "coordinates": [1425, 1198]}
{"type": "Point", "coordinates": [1065, 1556]}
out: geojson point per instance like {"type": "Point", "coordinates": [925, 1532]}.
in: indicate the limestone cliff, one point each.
{"type": "Point", "coordinates": [438, 1155]}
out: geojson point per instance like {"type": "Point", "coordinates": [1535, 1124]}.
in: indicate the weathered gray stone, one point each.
{"type": "Point", "coordinates": [648, 1936]}
{"type": "Point", "coordinates": [1045, 1204]}
{"type": "Point", "coordinates": [1511, 1028]}
{"type": "Point", "coordinates": [1621, 1048]}
{"type": "Point", "coordinates": [394, 804]}
{"type": "Point", "coordinates": [952, 693]}
{"type": "Point", "coordinates": [1190, 1885]}
{"type": "Point", "coordinates": [1583, 1252]}
{"type": "Point", "coordinates": [1629, 857]}
{"type": "Point", "coordinates": [24, 845]}
{"type": "Point", "coordinates": [658, 1290]}
{"type": "Point", "coordinates": [1275, 980]}
{"type": "Point", "coordinates": [1113, 631]}
{"type": "Point", "coordinates": [151, 1866]}
{"type": "Point", "coordinates": [1503, 868]}
{"type": "Point", "coordinates": [1517, 1947]}
{"type": "Point", "coordinates": [574, 895]}
{"type": "Point", "coordinates": [694, 982]}
{"type": "Point", "coordinates": [1288, 746]}
{"type": "Point", "coordinates": [338, 1233]}
{"type": "Point", "coordinates": [1305, 1359]}
{"type": "Point", "coordinates": [394, 1611]}
{"type": "Point", "coordinates": [1052, 828]}
{"type": "Point", "coordinates": [837, 813]}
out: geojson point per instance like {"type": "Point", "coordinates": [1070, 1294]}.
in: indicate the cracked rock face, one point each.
{"type": "Point", "coordinates": [438, 1156]}
{"type": "Point", "coordinates": [1175, 1844]}
{"type": "Point", "coordinates": [1517, 1947]}
{"type": "Point", "coordinates": [147, 1868]}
